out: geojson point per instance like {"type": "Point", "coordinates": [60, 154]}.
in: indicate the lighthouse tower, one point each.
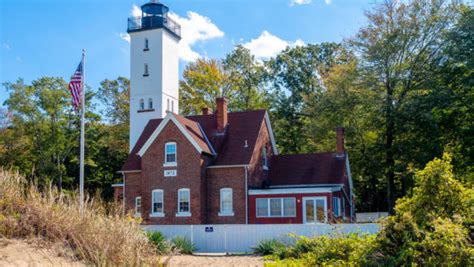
{"type": "Point", "coordinates": [154, 63]}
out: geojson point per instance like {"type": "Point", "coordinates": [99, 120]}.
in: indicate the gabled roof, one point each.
{"type": "Point", "coordinates": [233, 147]}
{"type": "Point", "coordinates": [190, 129]}
{"type": "Point", "coordinates": [307, 169]}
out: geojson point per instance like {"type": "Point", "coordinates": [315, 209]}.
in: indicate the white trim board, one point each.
{"type": "Point", "coordinates": [270, 130]}
{"type": "Point", "coordinates": [293, 190]}
{"type": "Point", "coordinates": [169, 117]}
{"type": "Point", "coordinates": [227, 166]}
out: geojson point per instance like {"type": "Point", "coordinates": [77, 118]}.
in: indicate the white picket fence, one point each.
{"type": "Point", "coordinates": [241, 238]}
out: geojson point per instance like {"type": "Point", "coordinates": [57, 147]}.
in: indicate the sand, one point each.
{"type": "Point", "coordinates": [20, 253]}
{"type": "Point", "coordinates": [224, 261]}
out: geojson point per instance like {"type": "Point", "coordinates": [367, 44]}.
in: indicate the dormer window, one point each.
{"type": "Point", "coordinates": [146, 45]}
{"type": "Point", "coordinates": [142, 105]}
{"type": "Point", "coordinates": [264, 158]}
{"type": "Point", "coordinates": [145, 71]}
{"type": "Point", "coordinates": [150, 103]}
{"type": "Point", "coordinates": [170, 154]}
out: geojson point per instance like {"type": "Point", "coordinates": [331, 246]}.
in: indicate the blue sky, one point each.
{"type": "Point", "coordinates": [45, 38]}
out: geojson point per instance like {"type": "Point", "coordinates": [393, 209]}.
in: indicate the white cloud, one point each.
{"type": "Point", "coordinates": [194, 28]}
{"type": "Point", "coordinates": [328, 2]}
{"type": "Point", "coordinates": [6, 46]}
{"type": "Point", "coordinates": [136, 11]}
{"type": "Point", "coordinates": [300, 2]}
{"type": "Point", "coordinates": [124, 36]}
{"type": "Point", "coordinates": [267, 45]}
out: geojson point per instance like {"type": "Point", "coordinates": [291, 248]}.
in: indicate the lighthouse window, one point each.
{"type": "Point", "coordinates": [172, 106]}
{"type": "Point", "coordinates": [150, 103]}
{"type": "Point", "coordinates": [146, 45]}
{"type": "Point", "coordinates": [168, 105]}
{"type": "Point", "coordinates": [142, 104]}
{"type": "Point", "coordinates": [145, 73]}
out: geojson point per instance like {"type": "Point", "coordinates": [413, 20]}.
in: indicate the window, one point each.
{"type": "Point", "coordinates": [170, 154]}
{"type": "Point", "coordinates": [168, 105]}
{"type": "Point", "coordinates": [183, 202]}
{"type": "Point", "coordinates": [138, 206]}
{"type": "Point", "coordinates": [172, 106]}
{"type": "Point", "coordinates": [142, 105]}
{"type": "Point", "coordinates": [146, 44]}
{"type": "Point", "coordinates": [150, 103]}
{"type": "Point", "coordinates": [264, 158]}
{"type": "Point", "coordinates": [336, 206]}
{"type": "Point", "coordinates": [262, 207]}
{"type": "Point", "coordinates": [157, 202]}
{"type": "Point", "coordinates": [226, 202]}
{"type": "Point", "coordinates": [276, 207]}
{"type": "Point", "coordinates": [145, 71]}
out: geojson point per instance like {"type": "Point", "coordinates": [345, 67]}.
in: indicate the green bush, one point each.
{"type": "Point", "coordinates": [160, 242]}
{"type": "Point", "coordinates": [268, 247]}
{"type": "Point", "coordinates": [432, 227]}
{"type": "Point", "coordinates": [183, 245]}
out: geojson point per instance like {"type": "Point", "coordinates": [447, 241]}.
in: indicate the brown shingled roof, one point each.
{"type": "Point", "coordinates": [305, 169]}
{"type": "Point", "coordinates": [229, 147]}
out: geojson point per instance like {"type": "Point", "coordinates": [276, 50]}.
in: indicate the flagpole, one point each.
{"type": "Point", "coordinates": [83, 110]}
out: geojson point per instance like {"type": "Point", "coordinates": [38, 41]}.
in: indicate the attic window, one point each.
{"type": "Point", "coordinates": [170, 154]}
{"type": "Point", "coordinates": [264, 158]}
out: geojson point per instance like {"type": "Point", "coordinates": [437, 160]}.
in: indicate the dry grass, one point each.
{"type": "Point", "coordinates": [102, 236]}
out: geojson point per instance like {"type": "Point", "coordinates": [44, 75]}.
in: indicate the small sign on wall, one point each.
{"type": "Point", "coordinates": [169, 173]}
{"type": "Point", "coordinates": [209, 229]}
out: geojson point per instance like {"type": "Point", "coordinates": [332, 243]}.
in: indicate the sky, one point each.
{"type": "Point", "coordinates": [45, 37]}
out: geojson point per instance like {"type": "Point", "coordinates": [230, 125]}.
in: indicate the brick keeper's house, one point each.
{"type": "Point", "coordinates": [219, 167]}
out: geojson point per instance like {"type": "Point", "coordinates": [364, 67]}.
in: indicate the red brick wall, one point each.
{"type": "Point", "coordinates": [189, 168]}
{"type": "Point", "coordinates": [299, 208]}
{"type": "Point", "coordinates": [256, 172]}
{"type": "Point", "coordinates": [226, 178]}
{"type": "Point", "coordinates": [133, 184]}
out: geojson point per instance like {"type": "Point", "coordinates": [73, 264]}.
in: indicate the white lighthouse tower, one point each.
{"type": "Point", "coordinates": [154, 66]}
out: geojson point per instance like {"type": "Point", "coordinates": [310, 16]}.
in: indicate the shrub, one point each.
{"type": "Point", "coordinates": [102, 236]}
{"type": "Point", "coordinates": [183, 245]}
{"type": "Point", "coordinates": [160, 242]}
{"type": "Point", "coordinates": [268, 247]}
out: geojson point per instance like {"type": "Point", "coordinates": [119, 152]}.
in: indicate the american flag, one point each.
{"type": "Point", "coordinates": [75, 86]}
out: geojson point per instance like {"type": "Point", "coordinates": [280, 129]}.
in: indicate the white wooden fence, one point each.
{"type": "Point", "coordinates": [243, 237]}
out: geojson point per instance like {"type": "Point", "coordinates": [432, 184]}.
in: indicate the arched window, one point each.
{"type": "Point", "coordinates": [142, 105]}
{"type": "Point", "coordinates": [150, 103]}
{"type": "Point", "coordinates": [157, 202]}
{"type": "Point", "coordinates": [184, 205]}
{"type": "Point", "coordinates": [170, 154]}
{"type": "Point", "coordinates": [226, 202]}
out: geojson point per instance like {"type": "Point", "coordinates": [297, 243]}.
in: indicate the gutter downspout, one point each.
{"type": "Point", "coordinates": [246, 196]}
{"type": "Point", "coordinates": [123, 194]}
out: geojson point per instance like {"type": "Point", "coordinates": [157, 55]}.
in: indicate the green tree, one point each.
{"type": "Point", "coordinates": [395, 48]}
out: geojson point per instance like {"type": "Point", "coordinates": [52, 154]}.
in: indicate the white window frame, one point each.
{"type": "Point", "coordinates": [171, 163]}
{"type": "Point", "coordinates": [141, 104]}
{"type": "Point", "coordinates": [336, 212]}
{"type": "Point", "coordinates": [146, 44]}
{"type": "Point", "coordinates": [221, 211]}
{"type": "Point", "coordinates": [168, 105]}
{"type": "Point", "coordinates": [145, 70]}
{"type": "Point", "coordinates": [325, 200]}
{"type": "Point", "coordinates": [264, 158]}
{"type": "Point", "coordinates": [184, 213]}
{"type": "Point", "coordinates": [162, 213]}
{"type": "Point", "coordinates": [138, 206]}
{"type": "Point", "coordinates": [269, 208]}
{"type": "Point", "coordinates": [172, 106]}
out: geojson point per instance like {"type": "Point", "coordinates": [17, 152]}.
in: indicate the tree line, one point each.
{"type": "Point", "coordinates": [402, 86]}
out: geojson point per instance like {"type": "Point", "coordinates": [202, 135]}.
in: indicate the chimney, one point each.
{"type": "Point", "coordinates": [206, 111]}
{"type": "Point", "coordinates": [340, 140]}
{"type": "Point", "coordinates": [221, 114]}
